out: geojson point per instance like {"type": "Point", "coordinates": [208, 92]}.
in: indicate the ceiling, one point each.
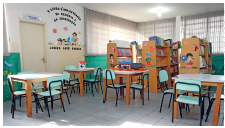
{"type": "Point", "coordinates": [141, 12]}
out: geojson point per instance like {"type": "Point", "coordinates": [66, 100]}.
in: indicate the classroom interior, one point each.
{"type": "Point", "coordinates": [113, 64]}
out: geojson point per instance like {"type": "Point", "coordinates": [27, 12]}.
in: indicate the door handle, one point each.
{"type": "Point", "coordinates": [43, 60]}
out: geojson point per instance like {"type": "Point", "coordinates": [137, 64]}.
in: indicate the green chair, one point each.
{"type": "Point", "coordinates": [72, 79]}
{"type": "Point", "coordinates": [21, 93]}
{"type": "Point", "coordinates": [141, 87]}
{"type": "Point", "coordinates": [66, 77]}
{"type": "Point", "coordinates": [33, 88]}
{"type": "Point", "coordinates": [213, 99]}
{"type": "Point", "coordinates": [163, 77]}
{"type": "Point", "coordinates": [52, 82]}
{"type": "Point", "coordinates": [188, 85]}
{"type": "Point", "coordinates": [97, 71]}
{"type": "Point", "coordinates": [110, 74]}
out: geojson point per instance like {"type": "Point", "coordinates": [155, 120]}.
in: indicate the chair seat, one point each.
{"type": "Point", "coordinates": [188, 99]}
{"type": "Point", "coordinates": [34, 88]}
{"type": "Point", "coordinates": [203, 92]}
{"type": "Point", "coordinates": [47, 93]}
{"type": "Point", "coordinates": [91, 80]}
{"type": "Point", "coordinates": [20, 92]}
{"type": "Point", "coordinates": [138, 86]}
{"type": "Point", "coordinates": [73, 78]}
{"type": "Point", "coordinates": [73, 82]}
{"type": "Point", "coordinates": [171, 91]}
{"type": "Point", "coordinates": [58, 87]}
{"type": "Point", "coordinates": [32, 91]}
{"type": "Point", "coordinates": [116, 85]}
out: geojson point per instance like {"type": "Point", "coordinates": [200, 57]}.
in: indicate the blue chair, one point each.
{"type": "Point", "coordinates": [72, 79]}
{"type": "Point", "coordinates": [97, 71]}
{"type": "Point", "coordinates": [188, 85]}
{"type": "Point", "coordinates": [141, 87]}
{"type": "Point", "coordinates": [110, 74]}
{"type": "Point", "coordinates": [21, 93]}
{"type": "Point", "coordinates": [52, 82]}
{"type": "Point", "coordinates": [163, 77]}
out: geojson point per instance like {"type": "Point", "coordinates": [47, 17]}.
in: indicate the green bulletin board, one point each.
{"type": "Point", "coordinates": [11, 66]}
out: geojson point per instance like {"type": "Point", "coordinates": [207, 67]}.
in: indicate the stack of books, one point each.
{"type": "Point", "coordinates": [123, 52]}
{"type": "Point", "coordinates": [158, 41]}
{"type": "Point", "coordinates": [201, 51]}
{"type": "Point", "coordinates": [139, 52]}
{"type": "Point", "coordinates": [173, 53]}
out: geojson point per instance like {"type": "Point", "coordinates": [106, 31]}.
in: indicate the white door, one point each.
{"type": "Point", "coordinates": [32, 46]}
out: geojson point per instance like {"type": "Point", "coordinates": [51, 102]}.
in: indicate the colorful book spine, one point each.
{"type": "Point", "coordinates": [121, 51]}
{"type": "Point", "coordinates": [124, 52]}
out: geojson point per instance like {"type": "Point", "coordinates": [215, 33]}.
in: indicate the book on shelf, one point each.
{"type": "Point", "coordinates": [174, 69]}
{"type": "Point", "coordinates": [170, 42]}
{"type": "Point", "coordinates": [139, 53]}
{"type": "Point", "coordinates": [122, 52]}
{"type": "Point", "coordinates": [209, 50]}
{"type": "Point", "coordinates": [202, 62]}
{"type": "Point", "coordinates": [173, 61]}
{"type": "Point", "coordinates": [158, 41]}
{"type": "Point", "coordinates": [160, 52]}
{"type": "Point", "coordinates": [121, 59]}
{"type": "Point", "coordinates": [201, 51]}
{"type": "Point", "coordinates": [173, 53]}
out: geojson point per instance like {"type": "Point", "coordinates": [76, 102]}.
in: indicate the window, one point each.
{"type": "Point", "coordinates": [208, 25]}
{"type": "Point", "coordinates": [5, 38]}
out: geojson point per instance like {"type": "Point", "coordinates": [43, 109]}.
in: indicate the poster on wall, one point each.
{"type": "Point", "coordinates": [66, 16]}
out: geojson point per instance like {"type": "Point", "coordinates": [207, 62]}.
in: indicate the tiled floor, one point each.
{"type": "Point", "coordinates": [91, 111]}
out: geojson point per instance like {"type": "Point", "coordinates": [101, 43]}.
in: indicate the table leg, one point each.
{"type": "Point", "coordinates": [128, 90]}
{"type": "Point", "coordinates": [62, 96]}
{"type": "Point", "coordinates": [121, 89]}
{"type": "Point", "coordinates": [13, 89]}
{"type": "Point", "coordinates": [175, 103]}
{"type": "Point", "coordinates": [217, 104]}
{"type": "Point", "coordinates": [104, 89]}
{"type": "Point", "coordinates": [28, 98]}
{"type": "Point", "coordinates": [98, 84]}
{"type": "Point", "coordinates": [45, 87]}
{"type": "Point", "coordinates": [141, 84]}
{"type": "Point", "coordinates": [83, 78]}
{"type": "Point", "coordinates": [81, 84]}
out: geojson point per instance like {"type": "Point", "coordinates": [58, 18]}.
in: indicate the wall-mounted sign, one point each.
{"type": "Point", "coordinates": [30, 17]}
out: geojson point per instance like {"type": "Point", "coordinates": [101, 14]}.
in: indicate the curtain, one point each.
{"type": "Point", "coordinates": [208, 25]}
{"type": "Point", "coordinates": [100, 28]}
{"type": "Point", "coordinates": [5, 38]}
{"type": "Point", "coordinates": [164, 28]}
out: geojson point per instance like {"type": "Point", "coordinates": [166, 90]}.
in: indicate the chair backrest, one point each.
{"type": "Point", "coordinates": [163, 76]}
{"type": "Point", "coordinates": [97, 70]}
{"type": "Point", "coordinates": [10, 84]}
{"type": "Point", "coordinates": [30, 72]}
{"type": "Point", "coordinates": [145, 75]}
{"type": "Point", "coordinates": [109, 74]}
{"type": "Point", "coordinates": [66, 75]}
{"type": "Point", "coordinates": [188, 85]}
{"type": "Point", "coordinates": [55, 81]}
{"type": "Point", "coordinates": [69, 66]}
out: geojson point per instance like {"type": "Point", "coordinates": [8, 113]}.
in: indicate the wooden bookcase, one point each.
{"type": "Point", "coordinates": [157, 61]}
{"type": "Point", "coordinates": [187, 47]}
{"type": "Point", "coordinates": [210, 59]}
{"type": "Point", "coordinates": [174, 73]}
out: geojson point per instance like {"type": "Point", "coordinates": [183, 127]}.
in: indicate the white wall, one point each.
{"type": "Point", "coordinates": [57, 59]}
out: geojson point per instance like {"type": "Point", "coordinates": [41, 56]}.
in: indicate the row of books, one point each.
{"type": "Point", "coordinates": [160, 52]}
{"type": "Point", "coordinates": [139, 60]}
{"type": "Point", "coordinates": [139, 52]}
{"type": "Point", "coordinates": [201, 51]}
{"type": "Point", "coordinates": [203, 41]}
{"type": "Point", "coordinates": [173, 53]}
{"type": "Point", "coordinates": [123, 52]}
{"type": "Point", "coordinates": [158, 41]}
{"type": "Point", "coordinates": [170, 41]}
{"type": "Point", "coordinates": [173, 61]}
{"type": "Point", "coordinates": [174, 69]}
{"type": "Point", "coordinates": [202, 62]}
{"type": "Point", "coordinates": [120, 60]}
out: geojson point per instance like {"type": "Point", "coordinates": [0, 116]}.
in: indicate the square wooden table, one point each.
{"type": "Point", "coordinates": [128, 75]}
{"type": "Point", "coordinates": [28, 79]}
{"type": "Point", "coordinates": [207, 80]}
{"type": "Point", "coordinates": [81, 72]}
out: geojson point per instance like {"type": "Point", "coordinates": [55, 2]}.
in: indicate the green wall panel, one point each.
{"type": "Point", "coordinates": [95, 61]}
{"type": "Point", "coordinates": [218, 64]}
{"type": "Point", "coordinates": [14, 59]}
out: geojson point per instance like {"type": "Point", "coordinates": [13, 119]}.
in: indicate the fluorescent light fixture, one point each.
{"type": "Point", "coordinates": [159, 13]}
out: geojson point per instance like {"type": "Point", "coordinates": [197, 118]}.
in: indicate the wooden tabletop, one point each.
{"type": "Point", "coordinates": [201, 77]}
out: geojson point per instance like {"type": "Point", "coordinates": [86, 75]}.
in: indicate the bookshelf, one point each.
{"type": "Point", "coordinates": [174, 67]}
{"type": "Point", "coordinates": [199, 51]}
{"type": "Point", "coordinates": [160, 60]}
